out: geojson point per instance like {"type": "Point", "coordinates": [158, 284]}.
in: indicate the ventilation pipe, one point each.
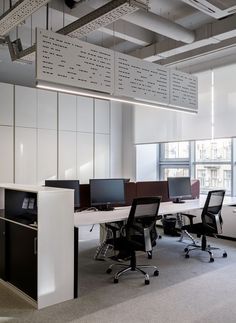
{"type": "Point", "coordinates": [160, 25]}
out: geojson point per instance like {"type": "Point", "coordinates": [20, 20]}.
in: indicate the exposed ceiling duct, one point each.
{"type": "Point", "coordinates": [18, 13]}
{"type": "Point", "coordinates": [161, 26]}
{"type": "Point", "coordinates": [110, 12]}
{"type": "Point", "coordinates": [209, 34]}
{"type": "Point", "coordinates": [214, 8]}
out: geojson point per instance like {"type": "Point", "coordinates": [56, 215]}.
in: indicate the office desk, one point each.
{"type": "Point", "coordinates": [122, 213]}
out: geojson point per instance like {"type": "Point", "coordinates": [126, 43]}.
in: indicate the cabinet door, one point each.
{"type": "Point", "coordinates": [2, 250]}
{"type": "Point", "coordinates": [22, 258]}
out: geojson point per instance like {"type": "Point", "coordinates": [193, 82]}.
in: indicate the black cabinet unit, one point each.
{"type": "Point", "coordinates": [36, 243]}
{"type": "Point", "coordinates": [2, 249]}
{"type": "Point", "coordinates": [22, 258]}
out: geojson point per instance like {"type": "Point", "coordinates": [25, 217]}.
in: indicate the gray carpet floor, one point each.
{"type": "Point", "coordinates": [187, 290]}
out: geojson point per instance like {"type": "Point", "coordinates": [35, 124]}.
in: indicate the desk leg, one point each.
{"type": "Point", "coordinates": [76, 252]}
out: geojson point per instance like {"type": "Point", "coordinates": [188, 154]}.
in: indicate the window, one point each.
{"type": "Point", "coordinates": [175, 172]}
{"type": "Point", "coordinates": [175, 150]}
{"type": "Point", "coordinates": [218, 150]}
{"type": "Point", "coordinates": [174, 159]}
{"type": "Point", "coordinates": [210, 161]}
{"type": "Point", "coordinates": [213, 164]}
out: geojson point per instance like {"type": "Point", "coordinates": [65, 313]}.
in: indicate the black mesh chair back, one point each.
{"type": "Point", "coordinates": [141, 225]}
{"type": "Point", "coordinates": [211, 214]}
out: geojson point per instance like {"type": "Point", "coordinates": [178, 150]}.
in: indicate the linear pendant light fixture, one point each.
{"type": "Point", "coordinates": [70, 90]}
{"type": "Point", "coordinates": [73, 66]}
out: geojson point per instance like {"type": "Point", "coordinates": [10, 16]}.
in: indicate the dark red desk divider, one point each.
{"type": "Point", "coordinates": [139, 189]}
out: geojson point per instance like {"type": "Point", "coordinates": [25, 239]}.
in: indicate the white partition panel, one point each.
{"type": "Point", "coordinates": [85, 114]}
{"type": "Point", "coordinates": [102, 116]}
{"type": "Point", "coordinates": [6, 159]}
{"type": "Point", "coordinates": [47, 147]}
{"type": "Point", "coordinates": [6, 105]}
{"type": "Point", "coordinates": [25, 156]}
{"type": "Point", "coordinates": [225, 101]}
{"type": "Point", "coordinates": [102, 156]}
{"type": "Point", "coordinates": [84, 157]}
{"type": "Point", "coordinates": [67, 112]}
{"type": "Point", "coordinates": [67, 155]}
{"type": "Point", "coordinates": [25, 107]}
{"type": "Point", "coordinates": [47, 109]}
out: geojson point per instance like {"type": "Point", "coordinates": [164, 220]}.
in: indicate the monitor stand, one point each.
{"type": "Point", "coordinates": [178, 200]}
{"type": "Point", "coordinates": [106, 207]}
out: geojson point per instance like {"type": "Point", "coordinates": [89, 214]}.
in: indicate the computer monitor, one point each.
{"type": "Point", "coordinates": [179, 188]}
{"type": "Point", "coordinates": [72, 184]}
{"type": "Point", "coordinates": [105, 193]}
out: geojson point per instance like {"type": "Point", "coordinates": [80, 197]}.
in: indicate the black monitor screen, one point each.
{"type": "Point", "coordinates": [72, 184]}
{"type": "Point", "coordinates": [104, 192]}
{"type": "Point", "coordinates": [179, 187]}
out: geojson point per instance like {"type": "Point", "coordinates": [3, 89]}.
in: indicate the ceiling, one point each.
{"type": "Point", "coordinates": [172, 33]}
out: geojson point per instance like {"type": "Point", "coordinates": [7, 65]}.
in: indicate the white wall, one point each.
{"type": "Point", "coordinates": [6, 133]}
{"type": "Point", "coordinates": [49, 135]}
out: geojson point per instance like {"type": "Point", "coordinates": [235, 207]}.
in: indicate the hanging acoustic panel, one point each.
{"type": "Point", "coordinates": [140, 79]}
{"type": "Point", "coordinates": [70, 65]}
{"type": "Point", "coordinates": [183, 90]}
{"type": "Point", "coordinates": [64, 60]}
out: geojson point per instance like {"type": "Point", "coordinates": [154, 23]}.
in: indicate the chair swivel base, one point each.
{"type": "Point", "coordinates": [208, 249]}
{"type": "Point", "coordinates": [137, 268]}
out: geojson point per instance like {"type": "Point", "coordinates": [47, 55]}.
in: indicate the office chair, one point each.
{"type": "Point", "coordinates": [139, 234]}
{"type": "Point", "coordinates": [211, 224]}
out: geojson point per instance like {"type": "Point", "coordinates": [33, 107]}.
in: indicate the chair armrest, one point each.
{"type": "Point", "coordinates": [190, 217]}
{"type": "Point", "coordinates": [147, 240]}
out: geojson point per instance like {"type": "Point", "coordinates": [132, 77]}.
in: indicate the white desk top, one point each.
{"type": "Point", "coordinates": [122, 213]}
{"type": "Point", "coordinates": [31, 188]}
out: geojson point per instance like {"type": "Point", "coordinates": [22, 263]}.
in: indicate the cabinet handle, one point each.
{"type": "Point", "coordinates": [35, 246]}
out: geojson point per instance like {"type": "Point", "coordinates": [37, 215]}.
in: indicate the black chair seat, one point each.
{"type": "Point", "coordinates": [139, 234]}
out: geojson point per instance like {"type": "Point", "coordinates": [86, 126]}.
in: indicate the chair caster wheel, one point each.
{"type": "Point", "coordinates": [212, 260]}
{"type": "Point", "coordinates": [156, 273]}
{"type": "Point", "coordinates": [116, 281]}
{"type": "Point", "coordinates": [187, 256]}
{"type": "Point", "coordinates": [147, 282]}
{"type": "Point", "coordinates": [159, 237]}
{"type": "Point", "coordinates": [109, 270]}
{"type": "Point", "coordinates": [185, 249]}
{"type": "Point", "coordinates": [225, 255]}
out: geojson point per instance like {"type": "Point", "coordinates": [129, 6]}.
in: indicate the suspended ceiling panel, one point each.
{"type": "Point", "coordinates": [138, 78]}
{"type": "Point", "coordinates": [70, 62]}
{"type": "Point", "coordinates": [64, 60]}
